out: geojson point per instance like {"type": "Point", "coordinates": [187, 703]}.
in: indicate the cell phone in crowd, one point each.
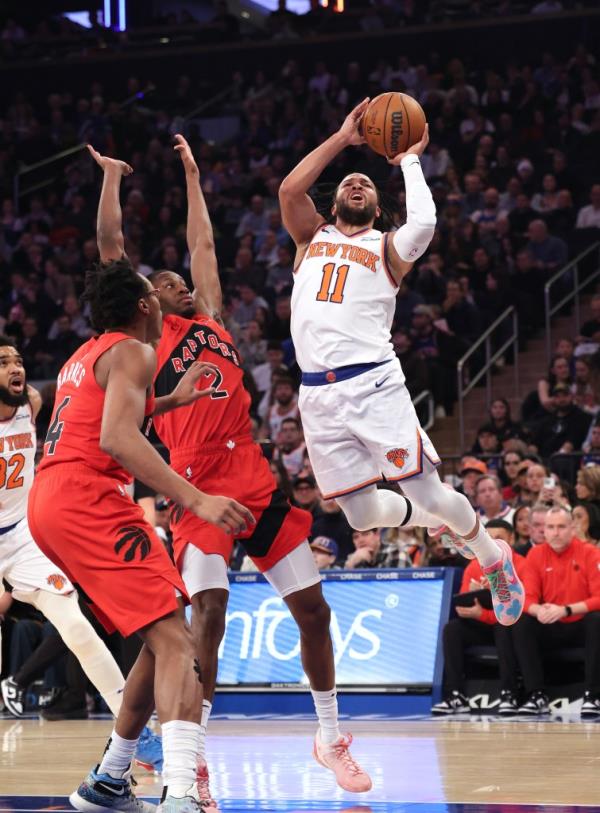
{"type": "Point", "coordinates": [549, 482]}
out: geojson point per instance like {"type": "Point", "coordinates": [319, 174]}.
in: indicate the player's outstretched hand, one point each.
{"type": "Point", "coordinates": [350, 129]}
{"type": "Point", "coordinates": [186, 391]}
{"type": "Point", "coordinates": [225, 513]}
{"type": "Point", "coordinates": [416, 149]}
{"type": "Point", "coordinates": [105, 162]}
{"type": "Point", "coordinates": [186, 155]}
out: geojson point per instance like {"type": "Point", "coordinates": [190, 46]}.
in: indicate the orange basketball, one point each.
{"type": "Point", "coordinates": [392, 123]}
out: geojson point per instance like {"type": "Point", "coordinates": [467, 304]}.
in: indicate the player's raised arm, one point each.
{"type": "Point", "coordinates": [129, 374]}
{"type": "Point", "coordinates": [109, 229]}
{"type": "Point", "coordinates": [208, 297]}
{"type": "Point", "coordinates": [411, 240]}
{"type": "Point", "coordinates": [298, 212]}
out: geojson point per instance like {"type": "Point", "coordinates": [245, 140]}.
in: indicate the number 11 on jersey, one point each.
{"type": "Point", "coordinates": [337, 295]}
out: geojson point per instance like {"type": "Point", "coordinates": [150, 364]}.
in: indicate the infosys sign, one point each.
{"type": "Point", "coordinates": [384, 626]}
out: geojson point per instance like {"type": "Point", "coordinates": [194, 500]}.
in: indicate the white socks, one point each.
{"type": "Point", "coordinates": [327, 711]}
{"type": "Point", "coordinates": [117, 756]}
{"type": "Point", "coordinates": [206, 710]}
{"type": "Point", "coordinates": [484, 547]}
{"type": "Point", "coordinates": [180, 740]}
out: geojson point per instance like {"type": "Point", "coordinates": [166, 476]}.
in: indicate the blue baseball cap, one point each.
{"type": "Point", "coordinates": [325, 544]}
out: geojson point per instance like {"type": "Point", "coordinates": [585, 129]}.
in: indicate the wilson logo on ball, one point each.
{"type": "Point", "coordinates": [139, 540]}
{"type": "Point", "coordinates": [396, 131]}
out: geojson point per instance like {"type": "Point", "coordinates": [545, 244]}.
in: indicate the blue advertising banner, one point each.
{"type": "Point", "coordinates": [385, 628]}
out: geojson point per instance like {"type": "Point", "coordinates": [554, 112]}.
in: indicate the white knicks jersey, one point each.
{"type": "Point", "coordinates": [343, 301]}
{"type": "Point", "coordinates": [17, 463]}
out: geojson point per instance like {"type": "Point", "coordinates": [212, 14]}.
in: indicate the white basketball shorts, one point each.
{"type": "Point", "coordinates": [25, 567]}
{"type": "Point", "coordinates": [363, 430]}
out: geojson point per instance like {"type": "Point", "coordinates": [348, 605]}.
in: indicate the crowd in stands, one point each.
{"type": "Point", "coordinates": [34, 39]}
{"type": "Point", "coordinates": [512, 166]}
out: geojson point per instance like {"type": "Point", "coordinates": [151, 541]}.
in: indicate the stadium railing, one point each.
{"type": "Point", "coordinates": [427, 397]}
{"type": "Point", "coordinates": [576, 272]}
{"type": "Point", "coordinates": [491, 358]}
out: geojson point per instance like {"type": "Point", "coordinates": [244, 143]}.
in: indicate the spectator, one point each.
{"type": "Point", "coordinates": [252, 347]}
{"type": "Point", "coordinates": [591, 447]}
{"type": "Point", "coordinates": [255, 220]}
{"type": "Point", "coordinates": [325, 552]}
{"type": "Point", "coordinates": [291, 446]}
{"type": "Point", "coordinates": [489, 502]}
{"type": "Point", "coordinates": [285, 405]}
{"type": "Point", "coordinates": [477, 626]}
{"type": "Point", "coordinates": [588, 217]}
{"type": "Point", "coordinates": [591, 329]}
{"type": "Point", "coordinates": [282, 479]}
{"type": "Point", "coordinates": [263, 373]}
{"type": "Point", "coordinates": [533, 492]}
{"type": "Point", "coordinates": [584, 394]}
{"type": "Point", "coordinates": [488, 444]}
{"type": "Point", "coordinates": [330, 520]}
{"type": "Point", "coordinates": [587, 486]}
{"type": "Point", "coordinates": [509, 473]}
{"type": "Point", "coordinates": [249, 304]}
{"type": "Point", "coordinates": [305, 493]}
{"type": "Point", "coordinates": [586, 523]}
{"type": "Point", "coordinates": [522, 530]}
{"type": "Point", "coordinates": [414, 366]}
{"type": "Point", "coordinates": [471, 470]}
{"type": "Point", "coordinates": [565, 429]}
{"type": "Point", "coordinates": [280, 273]}
{"type": "Point", "coordinates": [547, 200]}
{"type": "Point", "coordinates": [371, 552]}
{"type": "Point", "coordinates": [562, 585]}
{"type": "Point", "coordinates": [549, 253]}
{"type": "Point", "coordinates": [559, 373]}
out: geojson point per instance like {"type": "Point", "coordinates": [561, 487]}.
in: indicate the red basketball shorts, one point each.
{"type": "Point", "coordinates": [240, 471]}
{"type": "Point", "coordinates": [88, 525]}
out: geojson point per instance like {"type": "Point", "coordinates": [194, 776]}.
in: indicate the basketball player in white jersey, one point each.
{"type": "Point", "coordinates": [359, 422]}
{"type": "Point", "coordinates": [33, 577]}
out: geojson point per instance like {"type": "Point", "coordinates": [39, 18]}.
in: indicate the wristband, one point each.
{"type": "Point", "coordinates": [568, 610]}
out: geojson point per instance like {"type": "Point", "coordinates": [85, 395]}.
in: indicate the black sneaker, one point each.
{"type": "Point", "coordinates": [536, 703]}
{"type": "Point", "coordinates": [454, 703]}
{"type": "Point", "coordinates": [508, 703]}
{"type": "Point", "coordinates": [591, 705]}
{"type": "Point", "coordinates": [13, 696]}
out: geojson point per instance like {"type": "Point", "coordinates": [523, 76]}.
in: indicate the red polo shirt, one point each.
{"type": "Point", "coordinates": [563, 578]}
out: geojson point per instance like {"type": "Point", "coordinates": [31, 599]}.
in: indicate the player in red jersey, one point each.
{"type": "Point", "coordinates": [211, 445]}
{"type": "Point", "coordinates": [82, 518]}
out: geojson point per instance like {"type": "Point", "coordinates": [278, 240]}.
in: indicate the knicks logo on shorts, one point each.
{"type": "Point", "coordinates": [56, 580]}
{"type": "Point", "coordinates": [397, 457]}
{"type": "Point", "coordinates": [138, 539]}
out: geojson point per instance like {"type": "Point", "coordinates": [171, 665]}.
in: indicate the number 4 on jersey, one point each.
{"type": "Point", "coordinates": [337, 295]}
{"type": "Point", "coordinates": [56, 427]}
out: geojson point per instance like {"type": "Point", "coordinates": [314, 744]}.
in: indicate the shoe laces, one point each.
{"type": "Point", "coordinates": [202, 781]}
{"type": "Point", "coordinates": [342, 752]}
{"type": "Point", "coordinates": [499, 584]}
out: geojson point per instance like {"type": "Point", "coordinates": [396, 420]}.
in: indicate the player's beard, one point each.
{"type": "Point", "coordinates": [356, 217]}
{"type": "Point", "coordinates": [11, 399]}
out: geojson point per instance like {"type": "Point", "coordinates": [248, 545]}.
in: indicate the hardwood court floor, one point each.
{"type": "Point", "coordinates": [424, 765]}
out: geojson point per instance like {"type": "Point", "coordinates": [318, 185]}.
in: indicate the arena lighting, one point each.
{"type": "Point", "coordinates": [123, 15]}
{"type": "Point", "coordinates": [107, 14]}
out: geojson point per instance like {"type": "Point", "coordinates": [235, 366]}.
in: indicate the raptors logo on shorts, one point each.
{"type": "Point", "coordinates": [398, 457]}
{"type": "Point", "coordinates": [139, 540]}
{"type": "Point", "coordinates": [57, 580]}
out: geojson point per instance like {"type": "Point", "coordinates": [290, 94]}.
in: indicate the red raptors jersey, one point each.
{"type": "Point", "coordinates": [74, 432]}
{"type": "Point", "coordinates": [223, 416]}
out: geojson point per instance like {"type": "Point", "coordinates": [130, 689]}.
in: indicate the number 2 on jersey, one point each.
{"type": "Point", "coordinates": [337, 295]}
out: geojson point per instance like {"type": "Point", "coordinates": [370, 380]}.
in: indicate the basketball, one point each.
{"type": "Point", "coordinates": [392, 123]}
